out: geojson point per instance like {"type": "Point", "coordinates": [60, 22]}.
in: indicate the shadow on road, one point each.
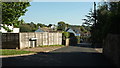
{"type": "Point", "coordinates": [82, 59]}
{"type": "Point", "coordinates": [88, 45]}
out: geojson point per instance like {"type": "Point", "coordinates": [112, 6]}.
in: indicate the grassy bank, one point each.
{"type": "Point", "coordinates": [13, 52]}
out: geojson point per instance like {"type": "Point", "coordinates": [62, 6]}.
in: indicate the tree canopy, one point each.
{"type": "Point", "coordinates": [61, 25]}
{"type": "Point", "coordinates": [11, 11]}
{"type": "Point", "coordinates": [107, 21]}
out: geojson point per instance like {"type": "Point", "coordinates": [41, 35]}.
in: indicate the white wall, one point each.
{"type": "Point", "coordinates": [3, 30]}
{"type": "Point", "coordinates": [15, 30]}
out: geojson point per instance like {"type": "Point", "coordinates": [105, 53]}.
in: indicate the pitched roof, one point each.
{"type": "Point", "coordinates": [70, 30]}
{"type": "Point", "coordinates": [45, 29]}
{"type": "Point", "coordinates": [39, 30]}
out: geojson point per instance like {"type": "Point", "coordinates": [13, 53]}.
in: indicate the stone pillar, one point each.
{"type": "Point", "coordinates": [67, 42]}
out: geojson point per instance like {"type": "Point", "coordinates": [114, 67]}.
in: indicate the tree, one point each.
{"type": "Point", "coordinates": [41, 25]}
{"type": "Point", "coordinates": [90, 19]}
{"type": "Point", "coordinates": [61, 26]}
{"type": "Point", "coordinates": [33, 26]}
{"type": "Point", "coordinates": [18, 23]}
{"type": "Point", "coordinates": [21, 21]}
{"type": "Point", "coordinates": [114, 8]}
{"type": "Point", "coordinates": [107, 21]}
{"type": "Point", "coordinates": [25, 28]}
{"type": "Point", "coordinates": [83, 29]}
{"type": "Point", "coordinates": [11, 11]}
{"type": "Point", "coordinates": [49, 25]}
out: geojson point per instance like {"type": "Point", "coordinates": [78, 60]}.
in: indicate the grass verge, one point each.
{"type": "Point", "coordinates": [13, 52]}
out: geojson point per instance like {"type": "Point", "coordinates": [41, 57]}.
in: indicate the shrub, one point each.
{"type": "Point", "coordinates": [66, 34]}
{"type": "Point", "coordinates": [25, 28]}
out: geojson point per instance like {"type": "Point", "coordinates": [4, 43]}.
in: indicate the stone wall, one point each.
{"type": "Point", "coordinates": [22, 40]}
{"type": "Point", "coordinates": [111, 48]}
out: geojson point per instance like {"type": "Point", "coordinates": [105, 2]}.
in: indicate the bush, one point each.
{"type": "Point", "coordinates": [66, 34]}
{"type": "Point", "coordinates": [25, 28]}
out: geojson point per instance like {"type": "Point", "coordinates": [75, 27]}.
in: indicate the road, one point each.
{"type": "Point", "coordinates": [66, 56]}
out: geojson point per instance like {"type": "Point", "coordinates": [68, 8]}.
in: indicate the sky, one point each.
{"type": "Point", "coordinates": [53, 12]}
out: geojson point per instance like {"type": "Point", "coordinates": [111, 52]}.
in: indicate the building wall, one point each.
{"type": "Point", "coordinates": [15, 30]}
{"type": "Point", "coordinates": [111, 48]}
{"type": "Point", "coordinates": [22, 40]}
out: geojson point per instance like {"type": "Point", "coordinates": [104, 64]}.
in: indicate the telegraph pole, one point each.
{"type": "Point", "coordinates": [93, 30]}
{"type": "Point", "coordinates": [95, 11]}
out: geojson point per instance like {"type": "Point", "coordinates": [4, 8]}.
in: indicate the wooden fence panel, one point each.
{"type": "Point", "coordinates": [10, 40]}
{"type": "Point", "coordinates": [45, 38]}
{"type": "Point", "coordinates": [51, 39]}
{"type": "Point", "coordinates": [22, 40]}
{"type": "Point", "coordinates": [60, 38]}
{"type": "Point", "coordinates": [39, 36]}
